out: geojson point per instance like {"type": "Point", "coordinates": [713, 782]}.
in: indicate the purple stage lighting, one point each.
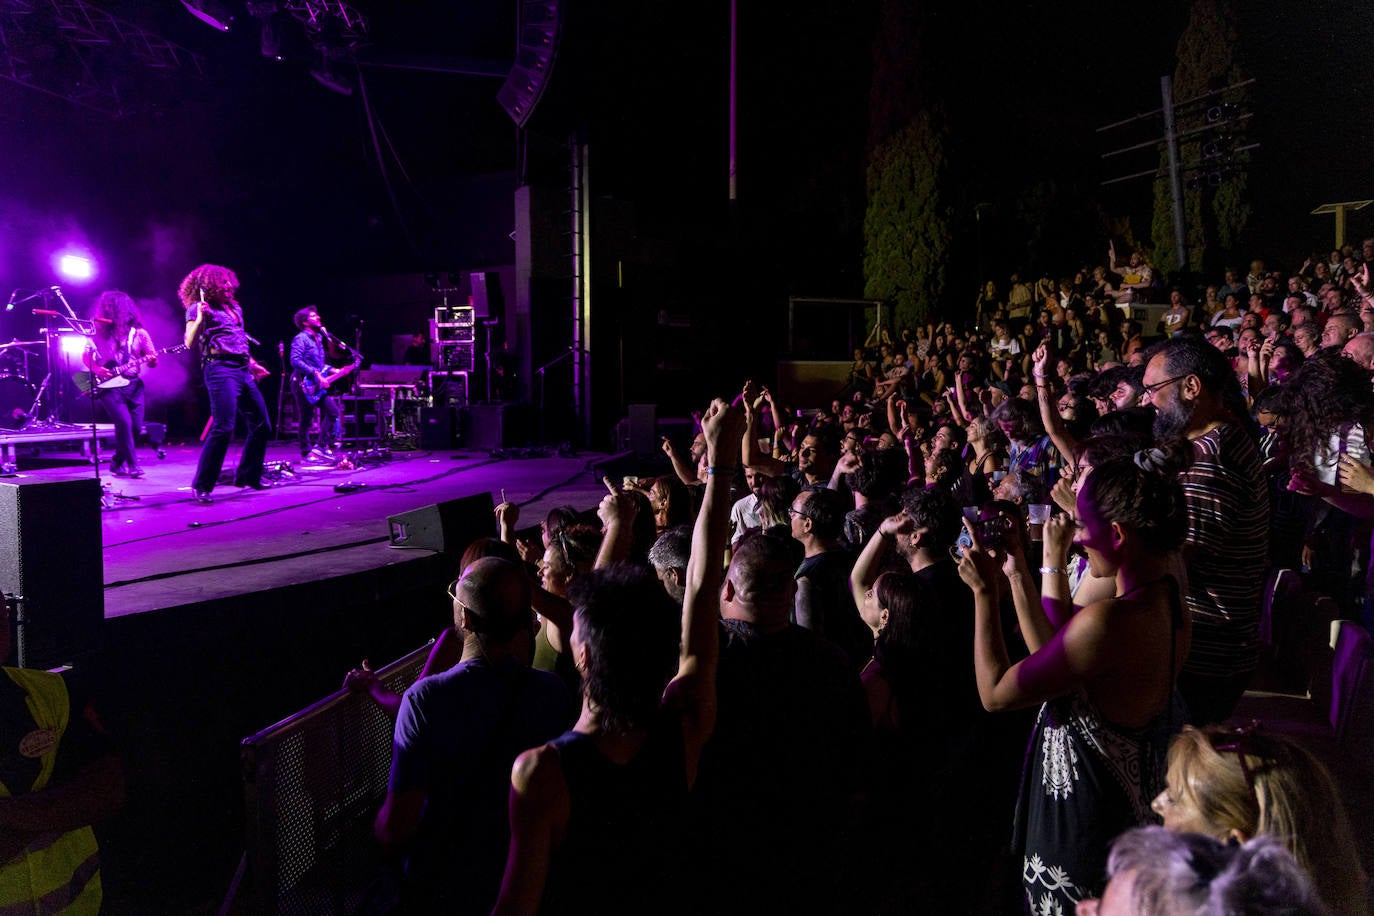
{"type": "Point", "coordinates": [75, 267]}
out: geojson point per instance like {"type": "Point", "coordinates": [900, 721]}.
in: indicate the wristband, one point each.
{"type": "Point", "coordinates": [713, 469]}
{"type": "Point", "coordinates": [1050, 570]}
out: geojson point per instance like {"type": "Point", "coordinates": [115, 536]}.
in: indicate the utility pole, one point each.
{"type": "Point", "coordinates": [1217, 160]}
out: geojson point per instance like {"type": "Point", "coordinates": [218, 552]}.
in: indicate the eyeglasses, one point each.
{"type": "Point", "coordinates": [453, 594]}
{"type": "Point", "coordinates": [1150, 390]}
{"type": "Point", "coordinates": [1239, 743]}
{"type": "Point", "coordinates": [798, 512]}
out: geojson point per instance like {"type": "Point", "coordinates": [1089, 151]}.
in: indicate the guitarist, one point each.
{"type": "Point", "coordinates": [311, 377]}
{"type": "Point", "coordinates": [121, 339]}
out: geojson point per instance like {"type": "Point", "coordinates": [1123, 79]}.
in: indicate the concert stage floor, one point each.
{"type": "Point", "coordinates": [162, 550]}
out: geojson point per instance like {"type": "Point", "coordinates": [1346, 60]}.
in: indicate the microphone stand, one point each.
{"type": "Point", "coordinates": [79, 325]}
{"type": "Point", "coordinates": [281, 387]}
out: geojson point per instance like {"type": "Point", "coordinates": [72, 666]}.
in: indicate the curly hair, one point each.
{"type": "Point", "coordinates": [120, 308]}
{"type": "Point", "coordinates": [1150, 503]}
{"type": "Point", "coordinates": [1327, 395]}
{"type": "Point", "coordinates": [217, 284]}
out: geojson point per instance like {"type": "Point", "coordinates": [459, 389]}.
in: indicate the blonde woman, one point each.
{"type": "Point", "coordinates": [1236, 784]}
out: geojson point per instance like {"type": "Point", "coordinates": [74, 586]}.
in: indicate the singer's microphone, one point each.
{"type": "Point", "coordinates": [9, 306]}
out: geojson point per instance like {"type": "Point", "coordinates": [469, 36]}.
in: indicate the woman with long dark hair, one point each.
{"type": "Point", "coordinates": [116, 356]}
{"type": "Point", "coordinates": [214, 324]}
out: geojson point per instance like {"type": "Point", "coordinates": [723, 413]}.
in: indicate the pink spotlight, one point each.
{"type": "Point", "coordinates": [75, 267]}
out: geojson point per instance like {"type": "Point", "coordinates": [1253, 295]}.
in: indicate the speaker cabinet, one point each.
{"type": "Point", "coordinates": [54, 565]}
{"type": "Point", "coordinates": [436, 428]}
{"type": "Point", "coordinates": [493, 426]}
{"type": "Point", "coordinates": [446, 527]}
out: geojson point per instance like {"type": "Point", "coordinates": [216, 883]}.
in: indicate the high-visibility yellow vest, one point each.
{"type": "Point", "coordinates": [57, 872]}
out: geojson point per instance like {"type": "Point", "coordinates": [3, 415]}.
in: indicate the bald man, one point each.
{"type": "Point", "coordinates": [457, 734]}
{"type": "Point", "coordinates": [1360, 348]}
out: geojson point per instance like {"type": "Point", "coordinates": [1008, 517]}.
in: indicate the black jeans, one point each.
{"type": "Point", "coordinates": [328, 407]}
{"type": "Point", "coordinates": [124, 406]}
{"type": "Point", "coordinates": [232, 390]}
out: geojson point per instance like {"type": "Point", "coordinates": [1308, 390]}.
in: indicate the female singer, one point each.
{"type": "Point", "coordinates": [214, 324]}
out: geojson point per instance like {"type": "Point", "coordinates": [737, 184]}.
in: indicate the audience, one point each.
{"type": "Point", "coordinates": [724, 758]}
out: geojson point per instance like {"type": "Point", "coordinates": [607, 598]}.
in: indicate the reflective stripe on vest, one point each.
{"type": "Point", "coordinates": [57, 872]}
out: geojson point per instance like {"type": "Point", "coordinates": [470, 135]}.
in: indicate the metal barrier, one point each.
{"type": "Point", "coordinates": [312, 784]}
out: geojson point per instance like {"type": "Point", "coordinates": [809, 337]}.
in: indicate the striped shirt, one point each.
{"type": "Point", "coordinates": [1228, 527]}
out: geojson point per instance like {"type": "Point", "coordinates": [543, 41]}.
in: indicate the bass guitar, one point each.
{"type": "Point", "coordinates": [313, 390]}
{"type": "Point", "coordinates": [118, 379]}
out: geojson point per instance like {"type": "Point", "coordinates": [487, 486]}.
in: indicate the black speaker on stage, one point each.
{"type": "Point", "coordinates": [436, 428]}
{"type": "Point", "coordinates": [55, 567]}
{"type": "Point", "coordinates": [446, 527]}
{"type": "Point", "coordinates": [493, 426]}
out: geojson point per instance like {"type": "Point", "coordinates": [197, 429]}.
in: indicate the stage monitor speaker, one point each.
{"type": "Point", "coordinates": [436, 428]}
{"type": "Point", "coordinates": [54, 567]}
{"type": "Point", "coordinates": [446, 527]}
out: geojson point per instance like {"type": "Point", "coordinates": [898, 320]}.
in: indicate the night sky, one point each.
{"type": "Point", "coordinates": [257, 166]}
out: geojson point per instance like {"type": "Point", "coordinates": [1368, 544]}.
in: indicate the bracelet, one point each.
{"type": "Point", "coordinates": [1039, 376]}
{"type": "Point", "coordinates": [1051, 570]}
{"type": "Point", "coordinates": [714, 469]}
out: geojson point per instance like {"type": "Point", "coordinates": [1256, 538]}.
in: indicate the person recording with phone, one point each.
{"type": "Point", "coordinates": [214, 324]}
{"type": "Point", "coordinates": [120, 347]}
{"type": "Point", "coordinates": [311, 377]}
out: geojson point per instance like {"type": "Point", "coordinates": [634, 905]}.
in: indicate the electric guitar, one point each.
{"type": "Point", "coordinates": [314, 391]}
{"type": "Point", "coordinates": [84, 380]}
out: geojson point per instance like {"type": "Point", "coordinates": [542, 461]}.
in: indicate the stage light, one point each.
{"type": "Point", "coordinates": [78, 268]}
{"type": "Point", "coordinates": [211, 13]}
{"type": "Point", "coordinates": [72, 345]}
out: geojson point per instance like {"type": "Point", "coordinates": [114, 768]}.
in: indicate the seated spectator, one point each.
{"type": "Point", "coordinates": [1236, 784]}
{"type": "Point", "coordinates": [1153, 871]}
{"type": "Point", "coordinates": [457, 734]}
{"type": "Point", "coordinates": [615, 787]}
{"type": "Point", "coordinates": [1031, 450]}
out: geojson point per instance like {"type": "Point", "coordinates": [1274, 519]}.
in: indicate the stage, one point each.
{"type": "Point", "coordinates": [222, 619]}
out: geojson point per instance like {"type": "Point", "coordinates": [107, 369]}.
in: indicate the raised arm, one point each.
{"type": "Point", "coordinates": [684, 472]}
{"type": "Point", "coordinates": [193, 326]}
{"type": "Point", "coordinates": [694, 687]}
{"type": "Point", "coordinates": [869, 563]}
{"type": "Point", "coordinates": [1064, 662]}
{"type": "Point", "coordinates": [617, 513]}
{"type": "Point", "coordinates": [749, 452]}
{"type": "Point", "coordinates": [1049, 410]}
